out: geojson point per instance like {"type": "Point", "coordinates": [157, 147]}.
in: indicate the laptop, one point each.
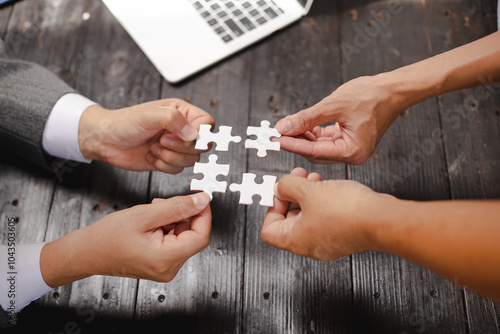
{"type": "Point", "coordinates": [182, 37]}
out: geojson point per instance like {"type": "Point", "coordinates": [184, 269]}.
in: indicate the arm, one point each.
{"type": "Point", "coordinates": [365, 107]}
{"type": "Point", "coordinates": [147, 241]}
{"type": "Point", "coordinates": [157, 135]}
{"type": "Point", "coordinates": [39, 115]}
{"type": "Point", "coordinates": [28, 93]}
{"type": "Point", "coordinates": [325, 220]}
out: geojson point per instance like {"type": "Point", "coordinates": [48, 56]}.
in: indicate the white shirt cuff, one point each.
{"type": "Point", "coordinates": [21, 279]}
{"type": "Point", "coordinates": [60, 135]}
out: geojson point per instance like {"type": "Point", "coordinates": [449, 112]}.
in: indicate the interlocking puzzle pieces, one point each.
{"type": "Point", "coordinates": [248, 188]}
{"type": "Point", "coordinates": [263, 142]}
{"type": "Point", "coordinates": [210, 171]}
{"type": "Point", "coordinates": [221, 138]}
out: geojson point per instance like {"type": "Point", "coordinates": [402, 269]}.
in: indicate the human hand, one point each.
{"type": "Point", "coordinates": [362, 108]}
{"type": "Point", "coordinates": [322, 220]}
{"type": "Point", "coordinates": [157, 135]}
{"type": "Point", "coordinates": [146, 241]}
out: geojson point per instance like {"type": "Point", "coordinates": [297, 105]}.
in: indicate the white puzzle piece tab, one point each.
{"type": "Point", "coordinates": [248, 188]}
{"type": "Point", "coordinates": [221, 138]}
{"type": "Point", "coordinates": [263, 142]}
{"type": "Point", "coordinates": [210, 171]}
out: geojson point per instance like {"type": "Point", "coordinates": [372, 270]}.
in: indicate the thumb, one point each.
{"type": "Point", "coordinates": [292, 188]}
{"type": "Point", "coordinates": [172, 120]}
{"type": "Point", "coordinates": [303, 121]}
{"type": "Point", "coordinates": [173, 210]}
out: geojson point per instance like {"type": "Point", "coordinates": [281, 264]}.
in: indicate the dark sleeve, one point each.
{"type": "Point", "coordinates": [4, 319]}
{"type": "Point", "coordinates": [27, 94]}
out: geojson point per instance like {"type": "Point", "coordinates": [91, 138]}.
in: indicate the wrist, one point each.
{"type": "Point", "coordinates": [62, 261]}
{"type": "Point", "coordinates": [91, 134]}
{"type": "Point", "coordinates": [415, 83]}
{"type": "Point", "coordinates": [384, 225]}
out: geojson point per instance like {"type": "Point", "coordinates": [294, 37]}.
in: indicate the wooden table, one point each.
{"type": "Point", "coordinates": [444, 148]}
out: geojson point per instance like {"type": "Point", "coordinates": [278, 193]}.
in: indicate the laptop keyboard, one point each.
{"type": "Point", "coordinates": [231, 19]}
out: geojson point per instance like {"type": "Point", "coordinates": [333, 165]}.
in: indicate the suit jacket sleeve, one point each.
{"type": "Point", "coordinates": [27, 94]}
{"type": "Point", "coordinates": [4, 319]}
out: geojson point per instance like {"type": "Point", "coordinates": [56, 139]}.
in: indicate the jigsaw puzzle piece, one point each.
{"type": "Point", "coordinates": [221, 138]}
{"type": "Point", "coordinates": [248, 188]}
{"type": "Point", "coordinates": [210, 171]}
{"type": "Point", "coordinates": [263, 142]}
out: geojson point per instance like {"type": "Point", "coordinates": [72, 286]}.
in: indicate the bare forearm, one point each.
{"type": "Point", "coordinates": [459, 240]}
{"type": "Point", "coordinates": [473, 64]}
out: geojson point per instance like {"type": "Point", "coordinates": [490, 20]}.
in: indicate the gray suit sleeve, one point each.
{"type": "Point", "coordinates": [27, 94]}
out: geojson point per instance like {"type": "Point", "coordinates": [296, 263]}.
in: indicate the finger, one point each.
{"type": "Point", "coordinates": [173, 143]}
{"type": "Point", "coordinates": [314, 177]}
{"type": "Point", "coordinates": [156, 200]}
{"type": "Point", "coordinates": [174, 158]}
{"type": "Point", "coordinates": [194, 114]}
{"type": "Point", "coordinates": [321, 150]}
{"type": "Point", "coordinates": [299, 171]}
{"type": "Point", "coordinates": [292, 188]}
{"type": "Point", "coordinates": [172, 210]}
{"type": "Point", "coordinates": [304, 120]}
{"type": "Point", "coordinates": [331, 132]}
{"type": "Point", "coordinates": [161, 166]}
{"type": "Point", "coordinates": [179, 228]}
{"type": "Point", "coordinates": [170, 119]}
{"type": "Point", "coordinates": [193, 240]}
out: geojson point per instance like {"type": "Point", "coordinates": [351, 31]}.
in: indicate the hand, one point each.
{"type": "Point", "coordinates": [362, 108]}
{"type": "Point", "coordinates": [146, 241]}
{"type": "Point", "coordinates": [322, 220]}
{"type": "Point", "coordinates": [156, 135]}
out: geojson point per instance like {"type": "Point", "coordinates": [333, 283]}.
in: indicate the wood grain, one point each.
{"type": "Point", "coordinates": [206, 294]}
{"type": "Point", "coordinates": [391, 294]}
{"type": "Point", "coordinates": [471, 126]}
{"type": "Point", "coordinates": [285, 293]}
{"type": "Point", "coordinates": [240, 284]}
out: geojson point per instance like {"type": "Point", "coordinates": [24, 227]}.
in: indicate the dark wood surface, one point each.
{"type": "Point", "coordinates": [444, 148]}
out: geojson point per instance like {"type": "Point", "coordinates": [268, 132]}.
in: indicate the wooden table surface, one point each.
{"type": "Point", "coordinates": [444, 148]}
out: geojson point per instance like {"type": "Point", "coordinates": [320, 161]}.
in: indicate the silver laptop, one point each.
{"type": "Point", "coordinates": [182, 37]}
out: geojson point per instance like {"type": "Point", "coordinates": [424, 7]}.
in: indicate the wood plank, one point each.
{"type": "Point", "coordinates": [285, 293]}
{"type": "Point", "coordinates": [101, 189]}
{"type": "Point", "coordinates": [391, 294]}
{"type": "Point", "coordinates": [205, 296]}
{"type": "Point", "coordinates": [18, 184]}
{"type": "Point", "coordinates": [471, 124]}
{"type": "Point", "coordinates": [5, 14]}
{"type": "Point", "coordinates": [32, 36]}
{"type": "Point", "coordinates": [88, 193]}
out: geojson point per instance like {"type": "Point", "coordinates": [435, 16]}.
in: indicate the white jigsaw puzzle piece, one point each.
{"type": "Point", "coordinates": [221, 138]}
{"type": "Point", "coordinates": [263, 142]}
{"type": "Point", "coordinates": [210, 170]}
{"type": "Point", "coordinates": [248, 188]}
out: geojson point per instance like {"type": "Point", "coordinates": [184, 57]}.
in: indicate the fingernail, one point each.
{"type": "Point", "coordinates": [188, 132]}
{"type": "Point", "coordinates": [167, 141]}
{"type": "Point", "coordinates": [200, 200]}
{"type": "Point", "coordinates": [284, 126]}
{"type": "Point", "coordinates": [156, 149]}
{"type": "Point", "coordinates": [275, 189]}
